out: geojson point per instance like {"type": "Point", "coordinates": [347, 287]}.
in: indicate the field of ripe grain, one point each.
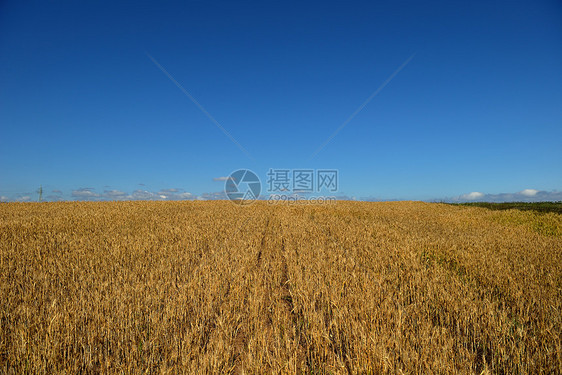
{"type": "Point", "coordinates": [213, 287]}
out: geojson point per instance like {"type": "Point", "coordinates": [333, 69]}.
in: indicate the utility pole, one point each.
{"type": "Point", "coordinates": [40, 191]}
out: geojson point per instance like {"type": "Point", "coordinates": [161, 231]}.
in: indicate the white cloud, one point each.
{"type": "Point", "coordinates": [222, 178]}
{"type": "Point", "coordinates": [174, 194]}
{"type": "Point", "coordinates": [85, 194]}
{"type": "Point", "coordinates": [164, 194]}
{"type": "Point", "coordinates": [527, 195]}
{"type": "Point", "coordinates": [472, 196]}
{"type": "Point", "coordinates": [115, 195]}
{"type": "Point", "coordinates": [529, 192]}
{"type": "Point", "coordinates": [143, 195]}
{"type": "Point", "coordinates": [89, 194]}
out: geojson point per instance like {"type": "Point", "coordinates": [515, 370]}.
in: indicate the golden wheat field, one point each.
{"type": "Point", "coordinates": [214, 287]}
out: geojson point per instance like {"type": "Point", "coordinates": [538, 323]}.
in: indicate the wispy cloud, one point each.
{"type": "Point", "coordinates": [529, 192]}
{"type": "Point", "coordinates": [225, 178]}
{"type": "Point", "coordinates": [171, 194]}
{"type": "Point", "coordinates": [344, 197]}
{"type": "Point", "coordinates": [85, 194]}
{"type": "Point", "coordinates": [472, 196]}
{"type": "Point", "coordinates": [143, 195]}
{"type": "Point", "coordinates": [526, 195]}
{"type": "Point", "coordinates": [176, 194]}
{"type": "Point", "coordinates": [89, 194]}
{"type": "Point", "coordinates": [173, 190]}
{"type": "Point", "coordinates": [115, 194]}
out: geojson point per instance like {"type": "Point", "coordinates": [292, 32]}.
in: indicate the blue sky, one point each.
{"type": "Point", "coordinates": [86, 113]}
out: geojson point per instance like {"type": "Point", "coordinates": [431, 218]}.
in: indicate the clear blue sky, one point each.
{"type": "Point", "coordinates": [477, 109]}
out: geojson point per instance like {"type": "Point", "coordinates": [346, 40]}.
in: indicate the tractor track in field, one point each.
{"type": "Point", "coordinates": [240, 343]}
{"type": "Point", "coordinates": [304, 356]}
